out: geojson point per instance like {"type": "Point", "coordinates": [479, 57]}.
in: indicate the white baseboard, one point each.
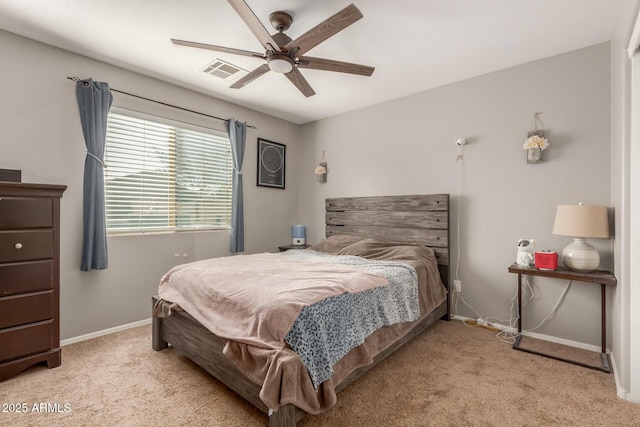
{"type": "Point", "coordinates": [570, 343]}
{"type": "Point", "coordinates": [620, 391]}
{"type": "Point", "coordinates": [550, 338]}
{"type": "Point", "coordinates": [105, 332]}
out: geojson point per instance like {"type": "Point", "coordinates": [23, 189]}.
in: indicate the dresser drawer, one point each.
{"type": "Point", "coordinates": [26, 245]}
{"type": "Point", "coordinates": [20, 213]}
{"type": "Point", "coordinates": [22, 309]}
{"type": "Point", "coordinates": [26, 277]}
{"type": "Point", "coordinates": [25, 340]}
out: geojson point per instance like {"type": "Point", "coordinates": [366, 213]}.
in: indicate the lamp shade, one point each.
{"type": "Point", "coordinates": [582, 221]}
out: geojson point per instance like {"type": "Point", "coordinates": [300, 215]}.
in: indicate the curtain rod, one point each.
{"type": "Point", "coordinates": [78, 79]}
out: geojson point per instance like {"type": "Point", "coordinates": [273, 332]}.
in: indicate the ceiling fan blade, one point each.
{"type": "Point", "coordinates": [324, 30]}
{"type": "Point", "coordinates": [298, 80]}
{"type": "Point", "coordinates": [254, 24]}
{"type": "Point", "coordinates": [218, 48]}
{"type": "Point", "coordinates": [331, 65]}
{"type": "Point", "coordinates": [250, 77]}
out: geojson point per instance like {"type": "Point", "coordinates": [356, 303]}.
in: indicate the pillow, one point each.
{"type": "Point", "coordinates": [367, 247]}
{"type": "Point", "coordinates": [334, 244]}
{"type": "Point", "coordinates": [383, 250]}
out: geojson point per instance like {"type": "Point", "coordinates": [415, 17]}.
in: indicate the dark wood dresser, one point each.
{"type": "Point", "coordinates": [29, 276]}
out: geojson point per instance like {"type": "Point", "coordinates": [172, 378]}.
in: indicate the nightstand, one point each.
{"type": "Point", "coordinates": [287, 247]}
{"type": "Point", "coordinates": [604, 278]}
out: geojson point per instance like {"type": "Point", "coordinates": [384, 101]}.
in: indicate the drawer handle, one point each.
{"type": "Point", "coordinates": [18, 245]}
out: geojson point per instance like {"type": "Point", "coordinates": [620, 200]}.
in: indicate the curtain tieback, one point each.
{"type": "Point", "coordinates": [239, 172]}
{"type": "Point", "coordinates": [97, 158]}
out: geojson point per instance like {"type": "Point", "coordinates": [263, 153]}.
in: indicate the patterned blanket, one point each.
{"type": "Point", "coordinates": [327, 330]}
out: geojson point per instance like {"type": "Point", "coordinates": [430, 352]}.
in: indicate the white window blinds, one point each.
{"type": "Point", "coordinates": [161, 177]}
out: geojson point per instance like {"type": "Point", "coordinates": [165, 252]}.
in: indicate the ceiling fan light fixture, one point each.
{"type": "Point", "coordinates": [280, 63]}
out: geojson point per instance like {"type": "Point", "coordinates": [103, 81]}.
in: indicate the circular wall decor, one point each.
{"type": "Point", "coordinates": [272, 159]}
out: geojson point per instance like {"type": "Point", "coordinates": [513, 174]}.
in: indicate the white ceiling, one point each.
{"type": "Point", "coordinates": [413, 44]}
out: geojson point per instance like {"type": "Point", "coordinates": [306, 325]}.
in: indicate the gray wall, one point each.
{"type": "Point", "coordinates": [399, 147]}
{"type": "Point", "coordinates": [40, 134]}
{"type": "Point", "coordinates": [406, 147]}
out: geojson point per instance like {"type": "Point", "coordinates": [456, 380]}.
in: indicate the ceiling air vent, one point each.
{"type": "Point", "coordinates": [222, 69]}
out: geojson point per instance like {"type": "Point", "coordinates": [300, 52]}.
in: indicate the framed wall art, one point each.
{"type": "Point", "coordinates": [271, 164]}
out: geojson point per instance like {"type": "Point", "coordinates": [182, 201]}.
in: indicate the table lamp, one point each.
{"type": "Point", "coordinates": [581, 221]}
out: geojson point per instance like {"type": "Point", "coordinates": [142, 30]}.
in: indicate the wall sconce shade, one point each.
{"type": "Point", "coordinates": [581, 221]}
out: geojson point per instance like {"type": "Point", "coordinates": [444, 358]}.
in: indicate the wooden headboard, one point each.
{"type": "Point", "coordinates": [421, 219]}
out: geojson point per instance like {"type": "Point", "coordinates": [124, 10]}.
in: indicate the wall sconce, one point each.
{"type": "Point", "coordinates": [536, 142]}
{"type": "Point", "coordinates": [321, 169]}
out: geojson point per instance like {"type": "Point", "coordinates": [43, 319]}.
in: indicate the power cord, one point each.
{"type": "Point", "coordinates": [456, 297]}
{"type": "Point", "coordinates": [459, 185]}
{"type": "Point", "coordinates": [506, 332]}
{"type": "Point", "coordinates": [502, 334]}
{"type": "Point", "coordinates": [555, 307]}
{"type": "Point", "coordinates": [510, 337]}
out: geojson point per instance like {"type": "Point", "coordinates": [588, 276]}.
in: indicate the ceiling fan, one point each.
{"type": "Point", "coordinates": [284, 55]}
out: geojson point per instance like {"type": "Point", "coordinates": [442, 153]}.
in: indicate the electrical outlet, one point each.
{"type": "Point", "coordinates": [457, 285]}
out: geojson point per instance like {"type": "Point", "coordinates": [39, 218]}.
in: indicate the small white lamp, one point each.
{"type": "Point", "coordinates": [581, 221]}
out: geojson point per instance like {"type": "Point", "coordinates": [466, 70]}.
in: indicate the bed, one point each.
{"type": "Point", "coordinates": [356, 222]}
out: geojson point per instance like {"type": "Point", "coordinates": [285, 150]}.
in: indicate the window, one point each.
{"type": "Point", "coordinates": [163, 176]}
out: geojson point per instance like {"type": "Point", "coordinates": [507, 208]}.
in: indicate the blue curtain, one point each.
{"type": "Point", "coordinates": [237, 135]}
{"type": "Point", "coordinates": [94, 101]}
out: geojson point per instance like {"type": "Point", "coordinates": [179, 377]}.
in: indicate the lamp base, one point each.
{"type": "Point", "coordinates": [580, 256]}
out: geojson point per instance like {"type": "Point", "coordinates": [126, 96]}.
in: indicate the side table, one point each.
{"type": "Point", "coordinates": [287, 247]}
{"type": "Point", "coordinates": [604, 278]}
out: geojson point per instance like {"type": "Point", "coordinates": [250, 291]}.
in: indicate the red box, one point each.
{"type": "Point", "coordinates": [546, 260]}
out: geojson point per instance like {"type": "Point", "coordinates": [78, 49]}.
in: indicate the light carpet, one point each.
{"type": "Point", "coordinates": [451, 375]}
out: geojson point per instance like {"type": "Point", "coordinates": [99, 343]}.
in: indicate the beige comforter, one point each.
{"type": "Point", "coordinates": [255, 299]}
{"type": "Point", "coordinates": [280, 371]}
